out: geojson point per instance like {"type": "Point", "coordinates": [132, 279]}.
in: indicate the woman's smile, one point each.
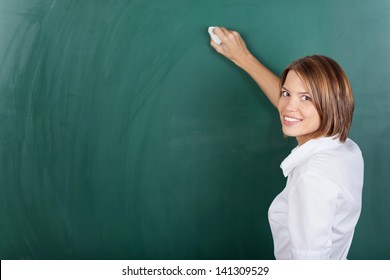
{"type": "Point", "coordinates": [289, 120]}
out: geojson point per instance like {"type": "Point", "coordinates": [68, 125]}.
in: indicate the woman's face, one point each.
{"type": "Point", "coordinates": [298, 115]}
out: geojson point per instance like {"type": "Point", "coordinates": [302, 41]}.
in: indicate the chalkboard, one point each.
{"type": "Point", "coordinates": [124, 135]}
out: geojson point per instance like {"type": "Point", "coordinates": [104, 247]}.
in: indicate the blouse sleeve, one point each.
{"type": "Point", "coordinates": [312, 205]}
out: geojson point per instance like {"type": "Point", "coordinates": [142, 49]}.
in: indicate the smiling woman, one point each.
{"type": "Point", "coordinates": [298, 114]}
{"type": "Point", "coordinates": [315, 216]}
{"type": "Point", "coordinates": [323, 83]}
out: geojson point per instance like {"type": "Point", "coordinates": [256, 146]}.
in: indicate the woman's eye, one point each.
{"type": "Point", "coordinates": [306, 98]}
{"type": "Point", "coordinates": [285, 93]}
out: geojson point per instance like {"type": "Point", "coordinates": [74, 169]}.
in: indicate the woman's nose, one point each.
{"type": "Point", "coordinates": [292, 104]}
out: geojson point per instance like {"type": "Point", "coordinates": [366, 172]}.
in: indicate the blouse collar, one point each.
{"type": "Point", "coordinates": [302, 153]}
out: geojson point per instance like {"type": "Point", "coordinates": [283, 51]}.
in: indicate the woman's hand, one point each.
{"type": "Point", "coordinates": [232, 47]}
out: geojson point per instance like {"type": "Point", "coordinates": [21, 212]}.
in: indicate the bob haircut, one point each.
{"type": "Point", "coordinates": [331, 93]}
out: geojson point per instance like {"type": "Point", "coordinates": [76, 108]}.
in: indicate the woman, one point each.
{"type": "Point", "coordinates": [314, 217]}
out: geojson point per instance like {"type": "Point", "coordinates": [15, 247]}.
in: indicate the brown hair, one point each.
{"type": "Point", "coordinates": [331, 93]}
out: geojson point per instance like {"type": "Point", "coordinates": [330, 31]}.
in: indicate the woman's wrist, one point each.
{"type": "Point", "coordinates": [250, 64]}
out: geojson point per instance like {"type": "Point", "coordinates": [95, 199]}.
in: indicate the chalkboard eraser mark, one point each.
{"type": "Point", "coordinates": [214, 36]}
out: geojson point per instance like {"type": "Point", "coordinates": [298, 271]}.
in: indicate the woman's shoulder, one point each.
{"type": "Point", "coordinates": [351, 145]}
{"type": "Point", "coordinates": [348, 150]}
{"type": "Point", "coordinates": [323, 154]}
{"type": "Point", "coordinates": [344, 156]}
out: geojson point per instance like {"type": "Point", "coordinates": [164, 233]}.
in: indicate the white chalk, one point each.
{"type": "Point", "coordinates": [214, 36]}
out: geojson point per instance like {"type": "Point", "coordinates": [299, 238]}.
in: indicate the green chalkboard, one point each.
{"type": "Point", "coordinates": [124, 135]}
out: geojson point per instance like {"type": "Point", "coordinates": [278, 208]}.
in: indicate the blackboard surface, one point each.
{"type": "Point", "coordinates": [123, 135]}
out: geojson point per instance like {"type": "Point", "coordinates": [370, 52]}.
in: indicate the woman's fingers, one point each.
{"type": "Point", "coordinates": [232, 46]}
{"type": "Point", "coordinates": [217, 47]}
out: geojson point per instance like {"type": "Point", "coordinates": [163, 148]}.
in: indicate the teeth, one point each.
{"type": "Point", "coordinates": [291, 119]}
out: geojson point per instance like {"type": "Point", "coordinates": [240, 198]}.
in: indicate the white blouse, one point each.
{"type": "Point", "coordinates": [314, 217]}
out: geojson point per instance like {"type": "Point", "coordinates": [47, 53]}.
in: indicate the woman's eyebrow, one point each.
{"type": "Point", "coordinates": [285, 89]}
{"type": "Point", "coordinates": [302, 92]}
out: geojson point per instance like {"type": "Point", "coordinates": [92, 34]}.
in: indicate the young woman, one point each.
{"type": "Point", "coordinates": [314, 217]}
